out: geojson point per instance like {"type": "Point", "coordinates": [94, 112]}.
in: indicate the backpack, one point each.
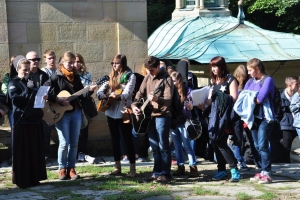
{"type": "Point", "coordinates": [276, 98]}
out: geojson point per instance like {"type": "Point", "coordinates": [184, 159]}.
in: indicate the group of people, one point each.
{"type": "Point", "coordinates": [30, 134]}
{"type": "Point", "coordinates": [226, 118]}
{"type": "Point", "coordinates": [223, 115]}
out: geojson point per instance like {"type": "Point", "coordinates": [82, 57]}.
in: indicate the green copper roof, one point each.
{"type": "Point", "coordinates": [202, 38]}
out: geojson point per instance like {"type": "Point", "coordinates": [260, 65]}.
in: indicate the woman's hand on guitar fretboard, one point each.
{"type": "Point", "coordinates": [92, 87]}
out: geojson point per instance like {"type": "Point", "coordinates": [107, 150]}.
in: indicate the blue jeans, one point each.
{"type": "Point", "coordinates": [298, 132]}
{"type": "Point", "coordinates": [158, 133]}
{"type": "Point", "coordinates": [180, 138]}
{"type": "Point", "coordinates": [68, 129]}
{"type": "Point", "coordinates": [260, 137]}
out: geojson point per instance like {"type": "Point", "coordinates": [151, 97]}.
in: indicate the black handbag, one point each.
{"type": "Point", "coordinates": [89, 107]}
{"type": "Point", "coordinates": [193, 128]}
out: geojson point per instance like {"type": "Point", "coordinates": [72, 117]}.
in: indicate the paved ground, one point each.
{"type": "Point", "coordinates": [285, 185]}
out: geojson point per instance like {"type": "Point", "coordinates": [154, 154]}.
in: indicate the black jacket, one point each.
{"type": "Point", "coordinates": [22, 99]}
{"type": "Point", "coordinates": [222, 116]}
{"type": "Point", "coordinates": [58, 82]}
{"type": "Point", "coordinates": [43, 77]}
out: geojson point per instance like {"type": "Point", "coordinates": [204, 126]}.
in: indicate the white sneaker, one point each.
{"type": "Point", "coordinates": [80, 157]}
{"type": "Point", "coordinates": [89, 159]}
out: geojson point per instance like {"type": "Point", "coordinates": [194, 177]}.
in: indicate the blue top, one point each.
{"type": "Point", "coordinates": [265, 92]}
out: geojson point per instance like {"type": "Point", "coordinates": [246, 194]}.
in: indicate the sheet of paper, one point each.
{"type": "Point", "coordinates": [200, 95]}
{"type": "Point", "coordinates": [39, 101]}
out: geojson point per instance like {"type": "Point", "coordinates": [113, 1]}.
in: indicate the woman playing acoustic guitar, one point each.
{"type": "Point", "coordinates": [121, 78]}
{"type": "Point", "coordinates": [68, 128]}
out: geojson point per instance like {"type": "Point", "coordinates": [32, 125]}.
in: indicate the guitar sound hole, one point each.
{"type": "Point", "coordinates": [56, 116]}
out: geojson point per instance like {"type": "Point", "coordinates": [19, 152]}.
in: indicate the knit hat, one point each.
{"type": "Point", "coordinates": [182, 68]}
{"type": "Point", "coordinates": [17, 60]}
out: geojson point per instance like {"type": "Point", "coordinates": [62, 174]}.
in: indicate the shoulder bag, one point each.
{"type": "Point", "coordinates": [193, 128]}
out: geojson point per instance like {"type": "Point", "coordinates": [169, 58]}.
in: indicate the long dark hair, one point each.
{"type": "Point", "coordinates": [219, 62]}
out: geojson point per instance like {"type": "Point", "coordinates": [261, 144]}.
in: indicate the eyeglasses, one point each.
{"type": "Point", "coordinates": [113, 63]}
{"type": "Point", "coordinates": [35, 59]}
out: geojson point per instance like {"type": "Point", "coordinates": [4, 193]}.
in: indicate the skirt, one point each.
{"type": "Point", "coordinates": [29, 166]}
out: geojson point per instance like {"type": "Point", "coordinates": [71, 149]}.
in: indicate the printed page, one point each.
{"type": "Point", "coordinates": [39, 101]}
{"type": "Point", "coordinates": [200, 95]}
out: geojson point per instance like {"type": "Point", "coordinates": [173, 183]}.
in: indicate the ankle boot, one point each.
{"type": "Point", "coordinates": [62, 175]}
{"type": "Point", "coordinates": [180, 171]}
{"type": "Point", "coordinates": [132, 171]}
{"type": "Point", "coordinates": [72, 174]}
{"type": "Point", "coordinates": [193, 172]}
{"type": "Point", "coordinates": [117, 169]}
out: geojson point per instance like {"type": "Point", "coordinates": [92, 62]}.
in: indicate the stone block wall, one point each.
{"type": "Point", "coordinates": [97, 29]}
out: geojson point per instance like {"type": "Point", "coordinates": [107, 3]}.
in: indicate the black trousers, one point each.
{"type": "Point", "coordinates": [288, 137]}
{"type": "Point", "coordinates": [116, 128]}
{"type": "Point", "coordinates": [224, 154]}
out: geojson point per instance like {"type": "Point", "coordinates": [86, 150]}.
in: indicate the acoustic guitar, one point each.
{"type": "Point", "coordinates": [53, 112]}
{"type": "Point", "coordinates": [141, 122]}
{"type": "Point", "coordinates": [104, 104]}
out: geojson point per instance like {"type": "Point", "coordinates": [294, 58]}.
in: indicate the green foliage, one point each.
{"type": "Point", "coordinates": [243, 196]}
{"type": "Point", "coordinates": [159, 12]}
{"type": "Point", "coordinates": [279, 7]}
{"type": "Point", "coordinates": [275, 15]}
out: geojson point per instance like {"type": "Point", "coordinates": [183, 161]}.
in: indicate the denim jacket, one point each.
{"type": "Point", "coordinates": [245, 105]}
{"type": "Point", "coordinates": [295, 108]}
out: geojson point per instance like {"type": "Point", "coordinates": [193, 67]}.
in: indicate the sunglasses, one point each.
{"type": "Point", "coordinates": [35, 59]}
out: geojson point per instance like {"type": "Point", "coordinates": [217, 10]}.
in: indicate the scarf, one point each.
{"type": "Point", "coordinates": [68, 74]}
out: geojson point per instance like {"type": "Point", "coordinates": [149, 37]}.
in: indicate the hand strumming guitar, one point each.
{"type": "Point", "coordinates": [63, 100]}
{"type": "Point", "coordinates": [152, 97]}
{"type": "Point", "coordinates": [136, 111]}
{"type": "Point", "coordinates": [113, 95]}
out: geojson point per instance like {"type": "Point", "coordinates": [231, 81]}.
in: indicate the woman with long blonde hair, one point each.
{"type": "Point", "coordinates": [121, 77]}
{"type": "Point", "coordinates": [179, 133]}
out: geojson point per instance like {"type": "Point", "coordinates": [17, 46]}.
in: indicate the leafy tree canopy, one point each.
{"type": "Point", "coordinates": [279, 7]}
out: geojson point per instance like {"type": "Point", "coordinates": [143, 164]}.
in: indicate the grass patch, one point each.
{"type": "Point", "coordinates": [201, 191]}
{"type": "Point", "coordinates": [267, 196]}
{"type": "Point", "coordinates": [66, 193]}
{"type": "Point", "coordinates": [51, 175]}
{"type": "Point", "coordinates": [177, 198]}
{"type": "Point", "coordinates": [67, 183]}
{"type": "Point", "coordinates": [285, 188]}
{"type": "Point", "coordinates": [243, 196]}
{"type": "Point", "coordinates": [9, 184]}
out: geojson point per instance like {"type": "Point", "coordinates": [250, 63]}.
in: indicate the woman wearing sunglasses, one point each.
{"type": "Point", "coordinates": [121, 79]}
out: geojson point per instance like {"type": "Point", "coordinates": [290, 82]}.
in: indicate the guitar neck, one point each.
{"type": "Point", "coordinates": [144, 105]}
{"type": "Point", "coordinates": [78, 93]}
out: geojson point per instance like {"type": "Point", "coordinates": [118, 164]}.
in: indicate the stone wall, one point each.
{"type": "Point", "coordinates": [97, 29]}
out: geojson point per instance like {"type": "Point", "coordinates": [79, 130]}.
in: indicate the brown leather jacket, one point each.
{"type": "Point", "coordinates": [150, 83]}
